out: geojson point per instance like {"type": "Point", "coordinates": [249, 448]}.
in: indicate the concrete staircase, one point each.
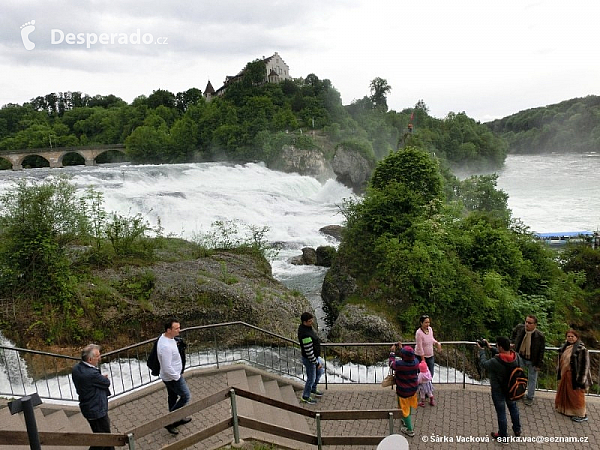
{"type": "Point", "coordinates": [278, 389]}
{"type": "Point", "coordinates": [57, 418]}
{"type": "Point", "coordinates": [48, 418]}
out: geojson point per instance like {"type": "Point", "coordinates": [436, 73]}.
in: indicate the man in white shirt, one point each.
{"type": "Point", "coordinates": [171, 369]}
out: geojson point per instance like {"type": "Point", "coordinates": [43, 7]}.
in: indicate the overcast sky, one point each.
{"type": "Point", "coordinates": [489, 59]}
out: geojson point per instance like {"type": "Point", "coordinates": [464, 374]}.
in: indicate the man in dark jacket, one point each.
{"type": "Point", "coordinates": [310, 346]}
{"type": "Point", "coordinates": [498, 368]}
{"type": "Point", "coordinates": [530, 343]}
{"type": "Point", "coordinates": [93, 390]}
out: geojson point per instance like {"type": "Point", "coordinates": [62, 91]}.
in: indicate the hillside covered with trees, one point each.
{"type": "Point", "coordinates": [251, 121]}
{"type": "Point", "coordinates": [569, 126]}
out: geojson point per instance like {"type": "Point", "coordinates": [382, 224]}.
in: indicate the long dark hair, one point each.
{"type": "Point", "coordinates": [421, 320]}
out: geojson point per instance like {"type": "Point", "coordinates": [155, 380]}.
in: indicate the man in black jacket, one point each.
{"type": "Point", "coordinates": [93, 390]}
{"type": "Point", "coordinates": [310, 346]}
{"type": "Point", "coordinates": [530, 344]}
{"type": "Point", "coordinates": [498, 368]}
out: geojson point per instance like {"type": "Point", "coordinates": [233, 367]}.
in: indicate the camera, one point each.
{"type": "Point", "coordinates": [482, 342]}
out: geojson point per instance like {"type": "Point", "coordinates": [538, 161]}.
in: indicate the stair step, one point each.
{"type": "Point", "coordinates": [272, 415]}
{"type": "Point", "coordinates": [272, 391]}
{"type": "Point", "coordinates": [55, 421]}
{"type": "Point", "coordinates": [238, 378]}
{"type": "Point", "coordinates": [78, 422]}
{"type": "Point", "coordinates": [288, 395]}
{"type": "Point", "coordinates": [10, 421]}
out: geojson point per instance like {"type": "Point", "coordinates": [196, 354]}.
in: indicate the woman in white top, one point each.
{"type": "Point", "coordinates": [424, 345]}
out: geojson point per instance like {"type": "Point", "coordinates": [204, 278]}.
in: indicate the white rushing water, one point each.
{"type": "Point", "coordinates": [554, 192]}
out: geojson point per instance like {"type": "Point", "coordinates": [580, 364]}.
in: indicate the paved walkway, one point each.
{"type": "Point", "coordinates": [460, 414]}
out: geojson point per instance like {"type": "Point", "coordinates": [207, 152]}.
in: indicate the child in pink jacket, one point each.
{"type": "Point", "coordinates": [425, 385]}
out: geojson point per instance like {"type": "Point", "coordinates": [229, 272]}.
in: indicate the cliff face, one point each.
{"type": "Point", "coordinates": [348, 166]}
{"type": "Point", "coordinates": [305, 162]}
{"type": "Point", "coordinates": [352, 169]}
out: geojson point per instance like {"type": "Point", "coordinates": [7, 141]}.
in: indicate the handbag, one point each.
{"type": "Point", "coordinates": [389, 380]}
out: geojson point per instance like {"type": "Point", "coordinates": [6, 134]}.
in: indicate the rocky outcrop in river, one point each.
{"type": "Point", "coordinates": [126, 304]}
{"type": "Point", "coordinates": [347, 166]}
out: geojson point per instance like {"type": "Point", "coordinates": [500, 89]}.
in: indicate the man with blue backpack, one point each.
{"type": "Point", "coordinates": [507, 382]}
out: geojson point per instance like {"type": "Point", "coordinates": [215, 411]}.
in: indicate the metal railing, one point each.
{"type": "Point", "coordinates": [235, 421]}
{"type": "Point", "coordinates": [25, 372]}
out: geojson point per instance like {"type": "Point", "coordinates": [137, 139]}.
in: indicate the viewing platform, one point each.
{"type": "Point", "coordinates": [462, 419]}
{"type": "Point", "coordinates": [258, 387]}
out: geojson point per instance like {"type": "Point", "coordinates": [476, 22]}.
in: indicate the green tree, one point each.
{"type": "Point", "coordinates": [379, 90]}
{"type": "Point", "coordinates": [254, 73]}
{"type": "Point", "coordinates": [148, 144]}
{"type": "Point", "coordinates": [183, 100]}
{"type": "Point", "coordinates": [183, 140]}
{"type": "Point", "coordinates": [414, 168]}
{"type": "Point", "coordinates": [409, 250]}
{"type": "Point", "coordinates": [37, 221]}
{"type": "Point", "coordinates": [479, 193]}
{"type": "Point", "coordinates": [161, 97]}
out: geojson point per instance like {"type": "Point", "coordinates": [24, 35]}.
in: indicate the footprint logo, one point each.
{"type": "Point", "coordinates": [26, 30]}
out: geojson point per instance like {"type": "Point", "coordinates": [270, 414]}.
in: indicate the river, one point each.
{"type": "Point", "coordinates": [553, 192]}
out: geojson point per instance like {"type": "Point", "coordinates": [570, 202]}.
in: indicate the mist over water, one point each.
{"type": "Point", "coordinates": [553, 192]}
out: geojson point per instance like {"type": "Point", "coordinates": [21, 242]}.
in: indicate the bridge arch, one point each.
{"type": "Point", "coordinates": [34, 159]}
{"type": "Point", "coordinates": [72, 155]}
{"type": "Point", "coordinates": [55, 156]}
{"type": "Point", "coordinates": [5, 163]}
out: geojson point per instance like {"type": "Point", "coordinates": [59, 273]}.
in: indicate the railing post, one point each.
{"type": "Point", "coordinates": [319, 441]}
{"type": "Point", "coordinates": [391, 419]}
{"type": "Point", "coordinates": [325, 368]}
{"type": "Point", "coordinates": [216, 348]}
{"type": "Point", "coordinates": [236, 428]}
{"type": "Point", "coordinates": [464, 371]}
{"type": "Point", "coordinates": [131, 441]}
{"type": "Point", "coordinates": [32, 431]}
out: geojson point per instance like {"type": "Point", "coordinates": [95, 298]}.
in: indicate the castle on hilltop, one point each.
{"type": "Point", "coordinates": [276, 70]}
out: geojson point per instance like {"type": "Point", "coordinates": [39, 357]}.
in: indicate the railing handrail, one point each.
{"type": "Point", "coordinates": [76, 439]}
{"type": "Point", "coordinates": [128, 372]}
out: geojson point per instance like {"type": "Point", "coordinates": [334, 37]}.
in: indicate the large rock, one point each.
{"type": "Point", "coordinates": [335, 231]}
{"type": "Point", "coordinates": [325, 255]}
{"type": "Point", "coordinates": [355, 323]}
{"type": "Point", "coordinates": [221, 288]}
{"type": "Point", "coordinates": [127, 304]}
{"type": "Point", "coordinates": [305, 162]}
{"type": "Point", "coordinates": [322, 256]}
{"type": "Point", "coordinates": [338, 285]}
{"type": "Point", "coordinates": [351, 168]}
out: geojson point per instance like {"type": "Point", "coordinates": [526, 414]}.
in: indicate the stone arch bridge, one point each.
{"type": "Point", "coordinates": [55, 156]}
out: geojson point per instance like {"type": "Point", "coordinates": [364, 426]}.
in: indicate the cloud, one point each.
{"type": "Point", "coordinates": [487, 59]}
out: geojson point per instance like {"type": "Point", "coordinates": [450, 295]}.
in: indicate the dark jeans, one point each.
{"type": "Point", "coordinates": [499, 404]}
{"type": "Point", "coordinates": [101, 425]}
{"type": "Point", "coordinates": [313, 375]}
{"type": "Point", "coordinates": [178, 393]}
